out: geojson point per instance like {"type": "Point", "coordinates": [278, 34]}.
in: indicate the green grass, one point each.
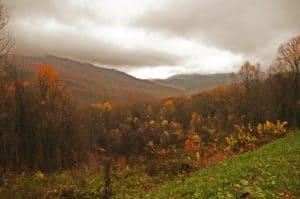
{"type": "Point", "coordinates": [272, 171]}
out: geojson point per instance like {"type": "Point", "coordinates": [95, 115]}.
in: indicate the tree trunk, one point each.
{"type": "Point", "coordinates": [296, 96]}
{"type": "Point", "coordinates": [107, 180]}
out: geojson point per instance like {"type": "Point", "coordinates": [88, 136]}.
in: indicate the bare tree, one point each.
{"type": "Point", "coordinates": [289, 58]}
{"type": "Point", "coordinates": [248, 77]}
{"type": "Point", "coordinates": [6, 38]}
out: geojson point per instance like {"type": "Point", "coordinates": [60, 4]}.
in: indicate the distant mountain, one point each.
{"type": "Point", "coordinates": [194, 83]}
{"type": "Point", "coordinates": [90, 83]}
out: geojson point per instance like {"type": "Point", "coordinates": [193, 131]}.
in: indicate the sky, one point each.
{"type": "Point", "coordinates": [155, 39]}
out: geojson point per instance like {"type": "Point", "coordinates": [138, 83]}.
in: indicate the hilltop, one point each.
{"type": "Point", "coordinates": [194, 83]}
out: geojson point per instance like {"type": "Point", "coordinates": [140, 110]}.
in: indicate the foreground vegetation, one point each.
{"type": "Point", "coordinates": [272, 171]}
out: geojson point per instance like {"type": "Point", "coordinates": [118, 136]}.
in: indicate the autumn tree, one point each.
{"type": "Point", "coordinates": [56, 126]}
{"type": "Point", "coordinates": [6, 111]}
{"type": "Point", "coordinates": [196, 122]}
{"type": "Point", "coordinates": [192, 145]}
{"type": "Point", "coordinates": [248, 77]}
{"type": "Point", "coordinates": [168, 111]}
{"type": "Point", "coordinates": [49, 85]}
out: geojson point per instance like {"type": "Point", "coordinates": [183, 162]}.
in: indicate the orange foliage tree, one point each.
{"type": "Point", "coordinates": [48, 83]}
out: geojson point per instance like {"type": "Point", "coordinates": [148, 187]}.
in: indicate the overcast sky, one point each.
{"type": "Point", "coordinates": [155, 39]}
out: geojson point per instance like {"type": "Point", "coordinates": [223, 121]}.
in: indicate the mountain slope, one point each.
{"type": "Point", "coordinates": [90, 83]}
{"type": "Point", "coordinates": [194, 83]}
{"type": "Point", "coordinates": [272, 171]}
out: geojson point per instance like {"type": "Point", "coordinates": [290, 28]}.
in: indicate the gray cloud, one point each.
{"type": "Point", "coordinates": [69, 40]}
{"type": "Point", "coordinates": [252, 27]}
{"type": "Point", "coordinates": [168, 35]}
{"type": "Point", "coordinates": [78, 46]}
{"type": "Point", "coordinates": [63, 11]}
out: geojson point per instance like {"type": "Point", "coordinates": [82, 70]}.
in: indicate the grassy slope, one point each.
{"type": "Point", "coordinates": [272, 171]}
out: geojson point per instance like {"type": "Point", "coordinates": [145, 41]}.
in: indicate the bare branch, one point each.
{"type": "Point", "coordinates": [6, 39]}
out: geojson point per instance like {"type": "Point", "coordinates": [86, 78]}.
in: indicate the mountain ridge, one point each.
{"type": "Point", "coordinates": [90, 83]}
{"type": "Point", "coordinates": [194, 83]}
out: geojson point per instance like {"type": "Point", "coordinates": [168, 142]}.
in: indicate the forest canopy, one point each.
{"type": "Point", "coordinates": [42, 128]}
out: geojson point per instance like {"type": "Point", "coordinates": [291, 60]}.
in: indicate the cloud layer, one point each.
{"type": "Point", "coordinates": [151, 39]}
{"type": "Point", "coordinates": [249, 27]}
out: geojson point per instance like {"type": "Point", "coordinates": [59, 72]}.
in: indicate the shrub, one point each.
{"type": "Point", "coordinates": [248, 137]}
{"type": "Point", "coordinates": [272, 129]}
{"type": "Point", "coordinates": [242, 140]}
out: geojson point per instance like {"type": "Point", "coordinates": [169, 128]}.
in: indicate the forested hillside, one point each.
{"type": "Point", "coordinates": [89, 83]}
{"type": "Point", "coordinates": [195, 83]}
